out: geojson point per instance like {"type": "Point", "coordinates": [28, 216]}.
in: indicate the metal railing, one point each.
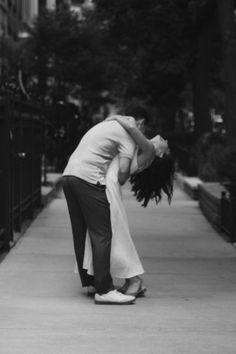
{"type": "Point", "coordinates": [228, 216]}
{"type": "Point", "coordinates": [21, 133]}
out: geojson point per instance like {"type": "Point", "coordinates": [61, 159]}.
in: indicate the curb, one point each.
{"type": "Point", "coordinates": [48, 193]}
{"type": "Point", "coordinates": [208, 195]}
{"type": "Point", "coordinates": [189, 184]}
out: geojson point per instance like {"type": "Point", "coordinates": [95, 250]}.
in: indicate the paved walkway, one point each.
{"type": "Point", "coordinates": [190, 276]}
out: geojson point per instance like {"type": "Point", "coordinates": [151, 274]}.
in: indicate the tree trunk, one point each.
{"type": "Point", "coordinates": [228, 32]}
{"type": "Point", "coordinates": [167, 114]}
{"type": "Point", "coordinates": [201, 79]}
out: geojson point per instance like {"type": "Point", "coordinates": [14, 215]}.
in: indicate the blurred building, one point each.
{"type": "Point", "coordinates": [79, 7]}
{"type": "Point", "coordinates": [3, 17]}
{"type": "Point", "coordinates": [53, 4]}
{"type": "Point", "coordinates": [47, 4]}
{"type": "Point", "coordinates": [29, 10]}
{"type": "Point", "coordinates": [16, 17]}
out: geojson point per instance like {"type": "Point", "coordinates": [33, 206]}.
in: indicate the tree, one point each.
{"type": "Point", "coordinates": [226, 11]}
{"type": "Point", "coordinates": [64, 61]}
{"type": "Point", "coordinates": [216, 24]}
{"type": "Point", "coordinates": [151, 45]}
{"type": "Point", "coordinates": [204, 21]}
{"type": "Point", "coordinates": [64, 56]}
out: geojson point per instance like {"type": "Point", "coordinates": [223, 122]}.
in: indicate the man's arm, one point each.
{"type": "Point", "coordinates": [129, 124]}
{"type": "Point", "coordinates": [124, 169]}
{"type": "Point", "coordinates": [146, 147]}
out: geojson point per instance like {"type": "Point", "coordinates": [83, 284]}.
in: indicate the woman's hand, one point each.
{"type": "Point", "coordinates": [127, 122]}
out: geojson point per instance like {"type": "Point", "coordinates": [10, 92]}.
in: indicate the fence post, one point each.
{"type": "Point", "coordinates": [233, 216]}
{"type": "Point", "coordinates": [20, 164]}
{"type": "Point", "coordinates": [6, 135]}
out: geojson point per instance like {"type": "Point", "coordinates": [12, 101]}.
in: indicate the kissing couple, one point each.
{"type": "Point", "coordinates": [107, 155]}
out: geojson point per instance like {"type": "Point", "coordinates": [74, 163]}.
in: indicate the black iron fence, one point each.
{"type": "Point", "coordinates": [228, 216]}
{"type": "Point", "coordinates": [21, 142]}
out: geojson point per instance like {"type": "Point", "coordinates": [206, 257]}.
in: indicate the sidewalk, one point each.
{"type": "Point", "coordinates": [50, 190]}
{"type": "Point", "coordinates": [190, 275]}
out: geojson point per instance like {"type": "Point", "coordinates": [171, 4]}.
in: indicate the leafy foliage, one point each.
{"type": "Point", "coordinates": [151, 42]}
{"type": "Point", "coordinates": [208, 152]}
{"type": "Point", "coordinates": [69, 52]}
{"type": "Point", "coordinates": [227, 169]}
{"type": "Point", "coordinates": [130, 48]}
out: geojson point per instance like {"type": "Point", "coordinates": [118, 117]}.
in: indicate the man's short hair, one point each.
{"type": "Point", "coordinates": [138, 112]}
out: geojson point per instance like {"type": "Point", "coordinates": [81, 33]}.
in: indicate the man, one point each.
{"type": "Point", "coordinates": [84, 188]}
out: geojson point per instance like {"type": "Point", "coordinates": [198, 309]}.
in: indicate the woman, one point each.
{"type": "Point", "coordinates": [151, 173]}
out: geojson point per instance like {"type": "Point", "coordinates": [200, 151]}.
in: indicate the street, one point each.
{"type": "Point", "coordinates": [189, 307]}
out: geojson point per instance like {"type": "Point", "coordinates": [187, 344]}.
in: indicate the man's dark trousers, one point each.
{"type": "Point", "coordinates": [89, 210]}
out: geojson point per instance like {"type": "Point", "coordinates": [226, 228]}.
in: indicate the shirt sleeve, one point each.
{"type": "Point", "coordinates": [126, 146]}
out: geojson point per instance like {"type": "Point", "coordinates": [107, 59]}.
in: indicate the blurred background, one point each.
{"type": "Point", "coordinates": [66, 65]}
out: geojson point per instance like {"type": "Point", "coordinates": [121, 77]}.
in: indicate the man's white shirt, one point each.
{"type": "Point", "coordinates": [99, 145]}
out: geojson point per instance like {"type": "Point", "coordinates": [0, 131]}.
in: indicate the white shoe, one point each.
{"type": "Point", "coordinates": [114, 297]}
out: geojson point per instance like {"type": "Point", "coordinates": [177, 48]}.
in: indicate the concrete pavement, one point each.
{"type": "Point", "coordinates": [190, 275]}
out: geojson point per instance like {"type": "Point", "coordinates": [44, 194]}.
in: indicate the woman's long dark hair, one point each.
{"type": "Point", "coordinates": [154, 180]}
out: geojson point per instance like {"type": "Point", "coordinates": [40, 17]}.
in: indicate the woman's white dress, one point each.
{"type": "Point", "coordinates": [125, 262]}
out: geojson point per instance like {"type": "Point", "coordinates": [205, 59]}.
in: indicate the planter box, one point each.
{"type": "Point", "coordinates": [215, 203]}
{"type": "Point", "coordinates": [210, 202]}
{"type": "Point", "coordinates": [189, 184]}
{"type": "Point", "coordinates": [219, 208]}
